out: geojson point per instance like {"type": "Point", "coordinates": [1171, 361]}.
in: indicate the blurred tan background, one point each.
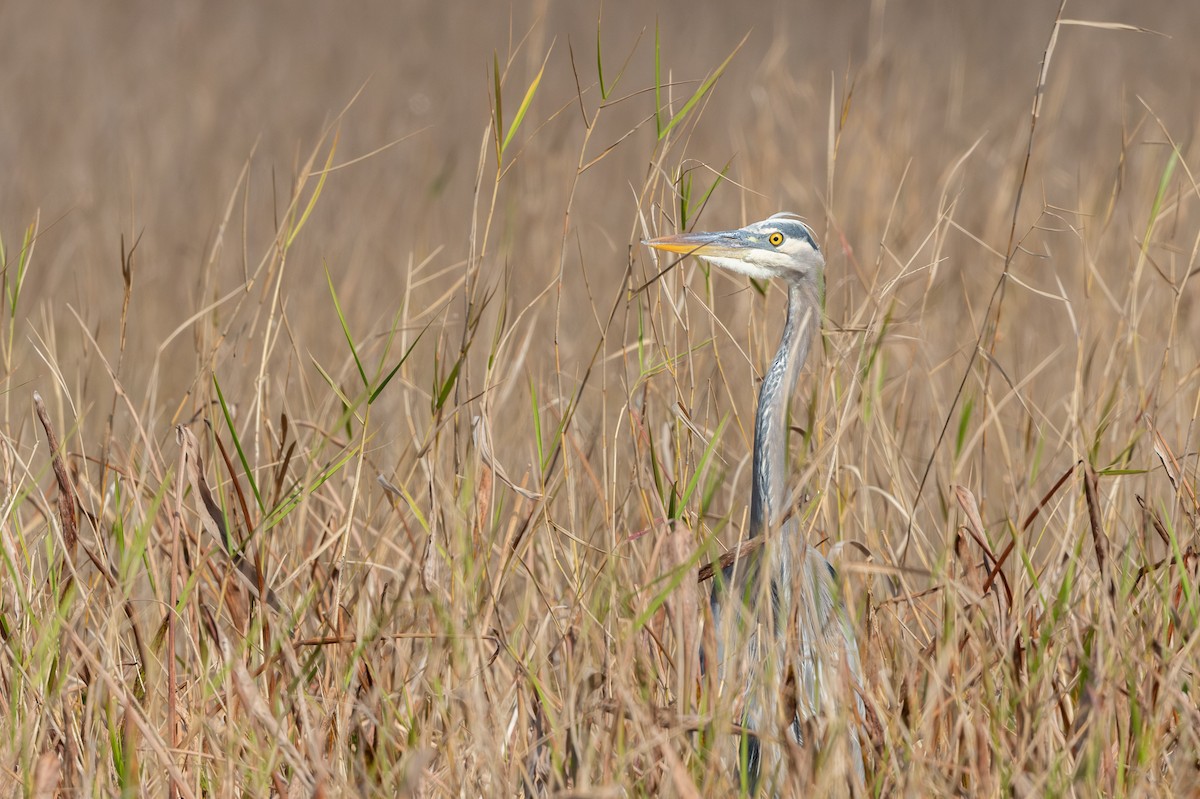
{"type": "Point", "coordinates": [129, 117]}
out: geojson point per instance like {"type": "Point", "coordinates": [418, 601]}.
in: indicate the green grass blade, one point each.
{"type": "Point", "coordinates": [23, 260]}
{"type": "Point", "coordinates": [383, 383]}
{"type": "Point", "coordinates": [700, 92]}
{"type": "Point", "coordinates": [719, 180]}
{"type": "Point", "coordinates": [600, 63]}
{"type": "Point", "coordinates": [337, 306]}
{"type": "Point", "coordinates": [1187, 597]}
{"type": "Point", "coordinates": [237, 444]}
{"type": "Point", "coordinates": [289, 502]}
{"type": "Point", "coordinates": [702, 464]}
{"type": "Point", "coordinates": [329, 381]}
{"type": "Point", "coordinates": [672, 579]}
{"type": "Point", "coordinates": [685, 199]}
{"type": "Point", "coordinates": [448, 386]}
{"type": "Point", "coordinates": [658, 124]}
{"type": "Point", "coordinates": [1164, 185]}
{"type": "Point", "coordinates": [964, 426]}
{"type": "Point", "coordinates": [655, 471]}
{"type": "Point", "coordinates": [537, 426]}
{"type": "Point", "coordinates": [312, 200]}
{"type": "Point", "coordinates": [526, 101]}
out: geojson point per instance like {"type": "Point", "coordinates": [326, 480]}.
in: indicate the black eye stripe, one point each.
{"type": "Point", "coordinates": [796, 230]}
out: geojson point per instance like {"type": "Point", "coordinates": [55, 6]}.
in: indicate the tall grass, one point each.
{"type": "Point", "coordinates": [375, 456]}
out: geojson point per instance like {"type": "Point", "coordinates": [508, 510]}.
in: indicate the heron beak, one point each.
{"type": "Point", "coordinates": [727, 243]}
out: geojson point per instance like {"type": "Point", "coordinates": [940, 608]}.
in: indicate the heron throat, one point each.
{"type": "Point", "coordinates": [768, 500]}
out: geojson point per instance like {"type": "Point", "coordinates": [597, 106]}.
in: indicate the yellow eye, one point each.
{"type": "Point", "coordinates": [775, 238]}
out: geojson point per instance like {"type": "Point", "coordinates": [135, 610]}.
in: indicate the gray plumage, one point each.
{"type": "Point", "coordinates": [804, 650]}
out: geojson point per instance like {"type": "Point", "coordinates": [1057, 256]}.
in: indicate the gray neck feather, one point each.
{"type": "Point", "coordinates": [769, 490]}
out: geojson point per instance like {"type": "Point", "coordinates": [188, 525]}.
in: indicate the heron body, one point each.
{"type": "Point", "coordinates": [800, 658]}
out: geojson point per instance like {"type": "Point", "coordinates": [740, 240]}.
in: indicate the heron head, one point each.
{"type": "Point", "coordinates": [781, 246]}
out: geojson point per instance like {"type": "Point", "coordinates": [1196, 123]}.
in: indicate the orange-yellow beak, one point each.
{"type": "Point", "coordinates": [726, 244]}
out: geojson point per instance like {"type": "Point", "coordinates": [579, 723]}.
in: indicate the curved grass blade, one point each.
{"type": "Point", "coordinates": [699, 93]}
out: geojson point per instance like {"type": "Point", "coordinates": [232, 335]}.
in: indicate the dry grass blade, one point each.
{"type": "Point", "coordinates": [1180, 560]}
{"type": "Point", "coordinates": [966, 501]}
{"type": "Point", "coordinates": [481, 436]}
{"type": "Point", "coordinates": [213, 519]}
{"type": "Point", "coordinates": [1099, 537]}
{"type": "Point", "coordinates": [66, 490]}
{"type": "Point", "coordinates": [1183, 489]}
{"type": "Point", "coordinates": [1029, 519]}
{"type": "Point", "coordinates": [1108, 26]}
{"type": "Point", "coordinates": [1155, 520]}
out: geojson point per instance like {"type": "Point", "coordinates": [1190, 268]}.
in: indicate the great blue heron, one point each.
{"type": "Point", "coordinates": [816, 654]}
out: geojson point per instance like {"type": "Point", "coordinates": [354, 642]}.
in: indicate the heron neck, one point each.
{"type": "Point", "coordinates": [769, 491]}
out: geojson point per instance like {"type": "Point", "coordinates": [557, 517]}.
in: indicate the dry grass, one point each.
{"type": "Point", "coordinates": [264, 359]}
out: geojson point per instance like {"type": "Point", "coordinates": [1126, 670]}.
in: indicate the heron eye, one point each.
{"type": "Point", "coordinates": [775, 238]}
